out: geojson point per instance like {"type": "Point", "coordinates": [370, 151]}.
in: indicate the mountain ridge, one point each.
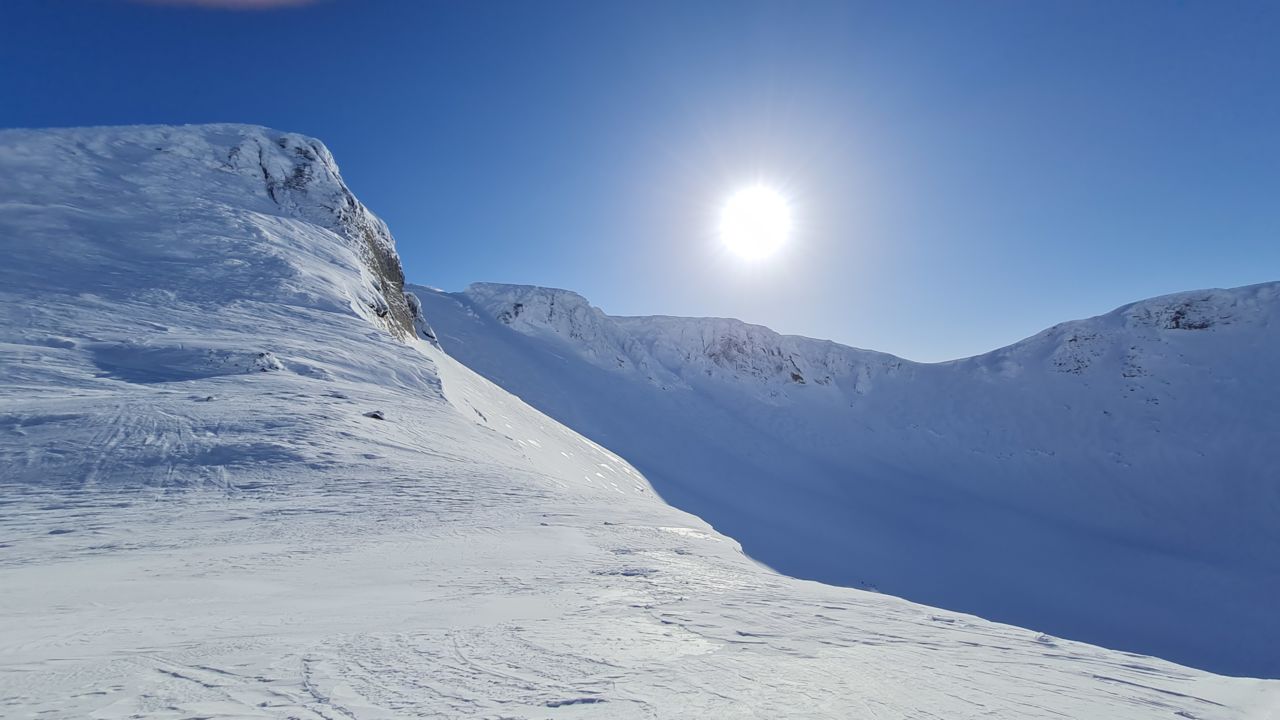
{"type": "Point", "coordinates": [1174, 304]}
{"type": "Point", "coordinates": [1142, 432]}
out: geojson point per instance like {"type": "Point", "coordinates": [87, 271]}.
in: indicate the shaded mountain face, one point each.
{"type": "Point", "coordinates": [1115, 480]}
{"type": "Point", "coordinates": [231, 488]}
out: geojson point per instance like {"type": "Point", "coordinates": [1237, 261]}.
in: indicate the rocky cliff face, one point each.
{"type": "Point", "coordinates": [299, 174]}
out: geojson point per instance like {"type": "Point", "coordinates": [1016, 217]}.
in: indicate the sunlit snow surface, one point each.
{"type": "Point", "coordinates": [200, 520]}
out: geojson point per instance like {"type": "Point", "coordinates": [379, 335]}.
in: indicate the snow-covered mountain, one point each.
{"type": "Point", "coordinates": [1114, 480]}
{"type": "Point", "coordinates": [236, 483]}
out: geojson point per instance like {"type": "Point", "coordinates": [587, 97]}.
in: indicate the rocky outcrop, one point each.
{"type": "Point", "coordinates": [299, 174]}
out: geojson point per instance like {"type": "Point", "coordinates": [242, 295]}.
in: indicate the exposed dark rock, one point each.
{"type": "Point", "coordinates": [1179, 319]}
{"type": "Point", "coordinates": [419, 320]}
{"type": "Point", "coordinates": [305, 180]}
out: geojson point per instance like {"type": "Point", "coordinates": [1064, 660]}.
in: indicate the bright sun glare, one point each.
{"type": "Point", "coordinates": [755, 222]}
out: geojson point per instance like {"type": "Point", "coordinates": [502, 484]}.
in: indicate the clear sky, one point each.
{"type": "Point", "coordinates": [962, 173]}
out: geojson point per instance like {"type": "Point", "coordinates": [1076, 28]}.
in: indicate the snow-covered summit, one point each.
{"type": "Point", "coordinates": [1253, 306]}
{"type": "Point", "coordinates": [150, 255]}
{"type": "Point", "coordinates": [1147, 332]}
{"type": "Point", "coordinates": [124, 180]}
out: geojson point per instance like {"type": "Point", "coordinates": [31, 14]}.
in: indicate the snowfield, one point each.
{"type": "Point", "coordinates": [239, 481]}
{"type": "Point", "coordinates": [1114, 480]}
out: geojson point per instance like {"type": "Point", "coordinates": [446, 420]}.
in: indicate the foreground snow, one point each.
{"type": "Point", "coordinates": [1112, 480]}
{"type": "Point", "coordinates": [201, 519]}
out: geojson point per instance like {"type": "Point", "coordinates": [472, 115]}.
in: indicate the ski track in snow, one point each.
{"type": "Point", "coordinates": [199, 518]}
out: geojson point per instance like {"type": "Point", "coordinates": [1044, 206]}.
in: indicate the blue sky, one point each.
{"type": "Point", "coordinates": [963, 174]}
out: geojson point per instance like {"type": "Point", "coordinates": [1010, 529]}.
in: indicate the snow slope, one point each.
{"type": "Point", "coordinates": [1114, 480]}
{"type": "Point", "coordinates": [234, 485]}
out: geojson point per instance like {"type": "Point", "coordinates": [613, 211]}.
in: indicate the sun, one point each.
{"type": "Point", "coordinates": [755, 222]}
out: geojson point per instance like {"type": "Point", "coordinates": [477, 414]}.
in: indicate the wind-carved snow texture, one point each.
{"type": "Point", "coordinates": [1114, 480]}
{"type": "Point", "coordinates": [300, 175]}
{"type": "Point", "coordinates": [229, 492]}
